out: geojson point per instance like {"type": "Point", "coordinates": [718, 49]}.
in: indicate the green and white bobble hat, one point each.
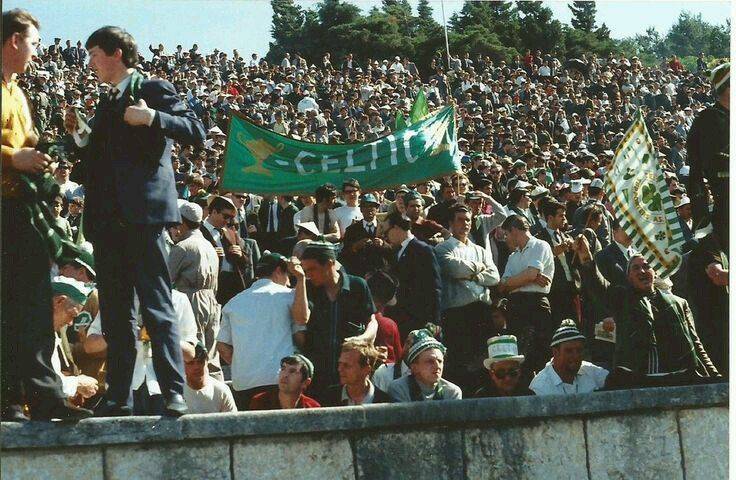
{"type": "Point", "coordinates": [74, 289]}
{"type": "Point", "coordinates": [422, 340]}
{"type": "Point", "coordinates": [720, 75]}
{"type": "Point", "coordinates": [502, 347]}
{"type": "Point", "coordinates": [568, 331]}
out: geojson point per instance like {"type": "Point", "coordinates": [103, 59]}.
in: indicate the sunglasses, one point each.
{"type": "Point", "coordinates": [511, 372]}
{"type": "Point", "coordinates": [228, 216]}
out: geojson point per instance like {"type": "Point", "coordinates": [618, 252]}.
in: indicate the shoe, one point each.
{"type": "Point", "coordinates": [62, 411]}
{"type": "Point", "coordinates": [14, 413]}
{"type": "Point", "coordinates": [175, 406]}
{"type": "Point", "coordinates": [109, 408]}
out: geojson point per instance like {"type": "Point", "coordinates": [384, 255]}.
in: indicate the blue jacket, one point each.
{"type": "Point", "coordinates": [127, 169]}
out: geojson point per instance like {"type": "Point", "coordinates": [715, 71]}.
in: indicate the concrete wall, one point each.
{"type": "Point", "coordinates": [664, 433]}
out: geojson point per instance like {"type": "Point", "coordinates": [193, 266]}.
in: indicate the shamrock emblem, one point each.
{"type": "Point", "coordinates": [651, 197]}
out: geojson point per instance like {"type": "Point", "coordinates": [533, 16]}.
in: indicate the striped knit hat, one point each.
{"type": "Point", "coordinates": [567, 331]}
{"type": "Point", "coordinates": [720, 76]}
{"type": "Point", "coordinates": [421, 340]}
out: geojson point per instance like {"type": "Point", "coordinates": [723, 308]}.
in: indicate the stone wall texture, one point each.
{"type": "Point", "coordinates": [665, 433]}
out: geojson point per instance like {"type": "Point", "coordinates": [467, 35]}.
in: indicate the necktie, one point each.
{"type": "Point", "coordinates": [271, 219]}
{"type": "Point", "coordinates": [112, 95]}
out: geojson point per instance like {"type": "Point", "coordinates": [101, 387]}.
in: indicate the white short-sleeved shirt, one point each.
{"type": "Point", "coordinates": [257, 323]}
{"type": "Point", "coordinates": [345, 216]}
{"type": "Point", "coordinates": [214, 397]}
{"type": "Point", "coordinates": [143, 370]}
{"type": "Point", "coordinates": [536, 254]}
{"type": "Point", "coordinates": [589, 378]}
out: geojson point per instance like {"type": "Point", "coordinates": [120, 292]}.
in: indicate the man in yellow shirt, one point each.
{"type": "Point", "coordinates": [27, 327]}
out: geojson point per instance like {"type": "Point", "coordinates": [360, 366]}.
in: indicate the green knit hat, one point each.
{"type": "Point", "coordinates": [421, 340]}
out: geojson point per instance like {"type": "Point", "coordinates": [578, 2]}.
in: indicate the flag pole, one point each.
{"type": "Point", "coordinates": [447, 41]}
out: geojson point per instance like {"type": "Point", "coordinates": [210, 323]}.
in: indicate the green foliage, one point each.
{"type": "Point", "coordinates": [538, 30]}
{"type": "Point", "coordinates": [499, 29]}
{"type": "Point", "coordinates": [583, 15]}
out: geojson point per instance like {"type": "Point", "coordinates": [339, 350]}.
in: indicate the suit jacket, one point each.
{"type": "Point", "coordinates": [420, 287]}
{"type": "Point", "coordinates": [612, 263]}
{"type": "Point", "coordinates": [370, 258]}
{"type": "Point", "coordinates": [285, 217]}
{"type": "Point", "coordinates": [560, 282]}
{"type": "Point", "coordinates": [127, 169]}
{"type": "Point", "coordinates": [662, 318]}
{"type": "Point", "coordinates": [244, 266]}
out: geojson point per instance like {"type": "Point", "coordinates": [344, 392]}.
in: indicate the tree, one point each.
{"type": "Point", "coordinates": [286, 27]}
{"type": "Point", "coordinates": [424, 11]}
{"type": "Point", "coordinates": [499, 18]}
{"type": "Point", "coordinates": [690, 35]}
{"type": "Point", "coordinates": [583, 15]}
{"type": "Point", "coordinates": [538, 30]}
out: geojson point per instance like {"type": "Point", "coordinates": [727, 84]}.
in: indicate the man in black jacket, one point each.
{"type": "Point", "coordinates": [418, 273]}
{"type": "Point", "coordinates": [655, 332]}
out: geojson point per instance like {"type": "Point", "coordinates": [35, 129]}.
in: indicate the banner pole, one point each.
{"type": "Point", "coordinates": [447, 41]}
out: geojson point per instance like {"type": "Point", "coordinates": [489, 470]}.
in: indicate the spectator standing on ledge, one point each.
{"type": "Point", "coordinates": [27, 320]}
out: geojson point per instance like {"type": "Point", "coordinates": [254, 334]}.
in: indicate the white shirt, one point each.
{"type": "Point", "coordinates": [214, 397]}
{"type": "Point", "coordinates": [226, 265]}
{"type": "Point", "coordinates": [69, 383]}
{"type": "Point", "coordinates": [561, 256]}
{"type": "Point", "coordinates": [143, 369]}
{"type": "Point", "coordinates": [627, 251]}
{"type": "Point", "coordinates": [404, 244]}
{"type": "Point", "coordinates": [589, 378]}
{"type": "Point", "coordinates": [83, 140]}
{"type": "Point", "coordinates": [306, 103]}
{"type": "Point", "coordinates": [384, 375]}
{"type": "Point", "coordinates": [536, 254]}
{"type": "Point", "coordinates": [345, 216]}
{"type": "Point", "coordinates": [273, 216]}
{"type": "Point", "coordinates": [257, 323]}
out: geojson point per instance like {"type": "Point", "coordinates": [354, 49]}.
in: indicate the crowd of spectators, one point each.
{"type": "Point", "coordinates": [512, 277]}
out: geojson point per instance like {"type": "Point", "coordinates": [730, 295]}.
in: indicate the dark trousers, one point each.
{"type": "Point", "coordinates": [27, 338]}
{"type": "Point", "coordinates": [129, 258]}
{"type": "Point", "coordinates": [465, 332]}
{"type": "Point", "coordinates": [530, 319]}
{"type": "Point", "coordinates": [146, 404]}
{"type": "Point", "coordinates": [243, 397]}
{"type": "Point", "coordinates": [229, 284]}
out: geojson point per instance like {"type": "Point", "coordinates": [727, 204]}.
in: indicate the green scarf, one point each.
{"type": "Point", "coordinates": [36, 191]}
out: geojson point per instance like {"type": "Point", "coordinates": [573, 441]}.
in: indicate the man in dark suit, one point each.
{"type": "Point", "coordinates": [418, 273]}
{"type": "Point", "coordinates": [131, 198]}
{"type": "Point", "coordinates": [564, 291]}
{"type": "Point", "coordinates": [275, 221]}
{"type": "Point", "coordinates": [612, 260]}
{"type": "Point", "coordinates": [363, 250]}
{"type": "Point", "coordinates": [236, 256]}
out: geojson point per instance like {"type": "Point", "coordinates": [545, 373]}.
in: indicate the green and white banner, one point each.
{"type": "Point", "coordinates": [263, 162]}
{"type": "Point", "coordinates": [641, 200]}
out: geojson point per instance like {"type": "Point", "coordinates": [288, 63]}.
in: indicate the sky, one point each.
{"type": "Point", "coordinates": [246, 24]}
